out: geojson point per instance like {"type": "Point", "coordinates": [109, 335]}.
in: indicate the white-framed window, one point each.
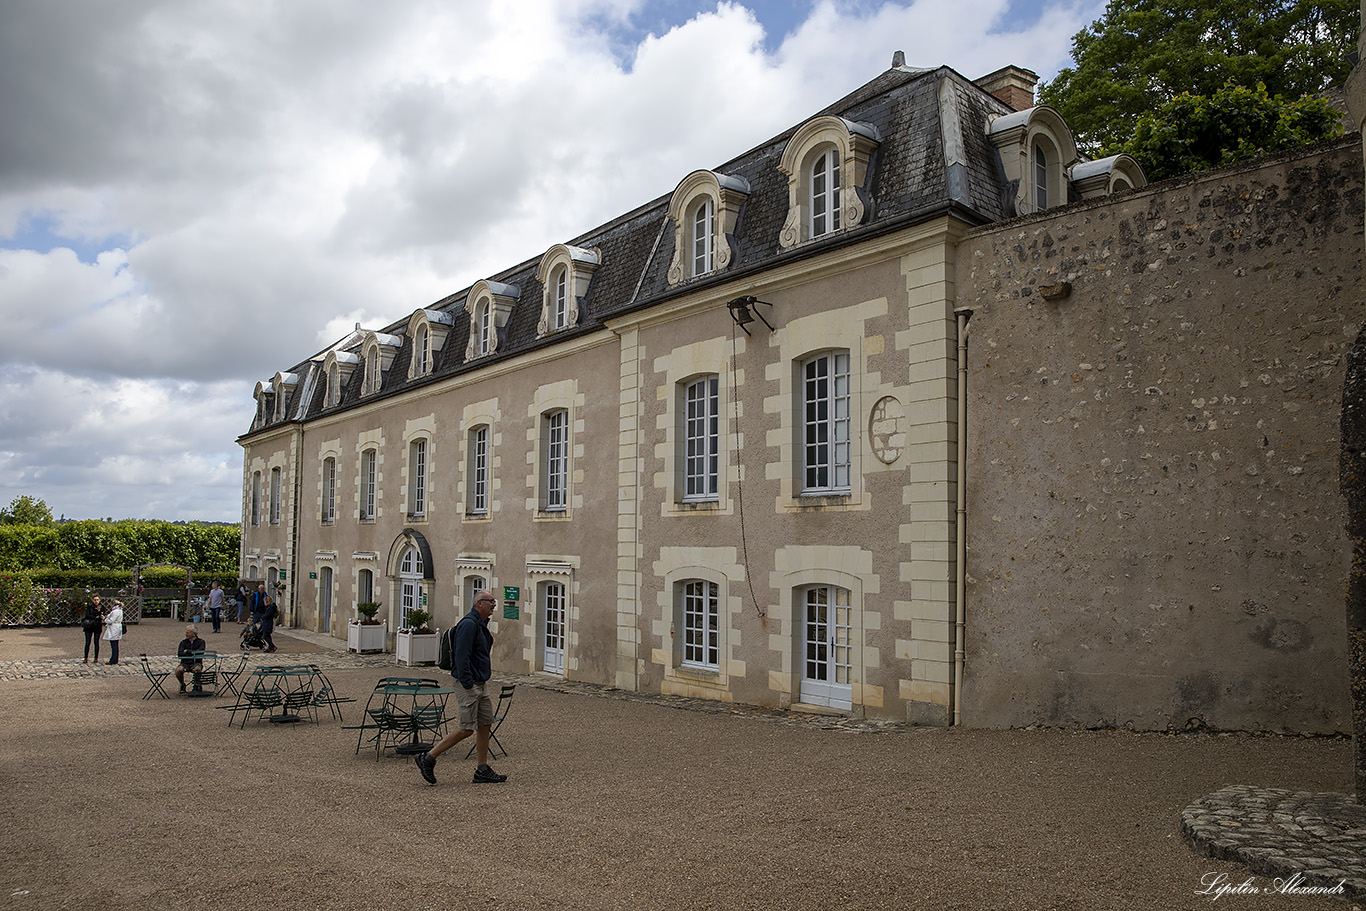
{"type": "Point", "coordinates": [329, 510]}
{"type": "Point", "coordinates": [825, 192]}
{"type": "Point", "coordinates": [333, 384]}
{"type": "Point", "coordinates": [561, 304]}
{"type": "Point", "coordinates": [372, 371]}
{"type": "Point", "coordinates": [826, 640]}
{"type": "Point", "coordinates": [368, 459]}
{"type": "Point", "coordinates": [275, 496]}
{"type": "Point", "coordinates": [703, 236]}
{"type": "Point", "coordinates": [422, 351]}
{"type": "Point", "coordinates": [256, 498]}
{"type": "Point", "coordinates": [417, 478]}
{"type": "Point", "coordinates": [365, 586]}
{"type": "Point", "coordinates": [555, 495]}
{"type": "Point", "coordinates": [484, 321]}
{"type": "Point", "coordinates": [473, 586]}
{"type": "Point", "coordinates": [552, 626]}
{"type": "Point", "coordinates": [826, 428]}
{"type": "Point", "coordinates": [478, 499]}
{"type": "Point", "coordinates": [701, 439]}
{"type": "Point", "coordinates": [411, 589]}
{"type": "Point", "coordinates": [701, 624]}
{"type": "Point", "coordinates": [1040, 176]}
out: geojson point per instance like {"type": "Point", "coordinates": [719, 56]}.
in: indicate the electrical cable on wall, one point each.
{"type": "Point", "coordinates": [739, 487]}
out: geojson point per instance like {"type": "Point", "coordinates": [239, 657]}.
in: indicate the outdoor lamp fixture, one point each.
{"type": "Point", "coordinates": [741, 311]}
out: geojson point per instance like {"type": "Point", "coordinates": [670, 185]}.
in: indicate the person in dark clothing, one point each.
{"type": "Point", "coordinates": [257, 602]}
{"type": "Point", "coordinates": [268, 614]}
{"type": "Point", "coordinates": [92, 623]}
{"type": "Point", "coordinates": [186, 653]}
{"type": "Point", "coordinates": [471, 666]}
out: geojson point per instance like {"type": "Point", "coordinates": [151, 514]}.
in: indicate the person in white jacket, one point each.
{"type": "Point", "coordinates": [113, 631]}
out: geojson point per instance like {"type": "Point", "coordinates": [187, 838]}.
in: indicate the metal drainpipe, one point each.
{"type": "Point", "coordinates": [960, 526]}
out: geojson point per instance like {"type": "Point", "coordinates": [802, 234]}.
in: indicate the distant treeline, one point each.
{"type": "Point", "coordinates": [91, 544]}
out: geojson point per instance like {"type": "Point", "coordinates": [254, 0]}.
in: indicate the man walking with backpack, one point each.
{"type": "Point", "coordinates": [471, 666]}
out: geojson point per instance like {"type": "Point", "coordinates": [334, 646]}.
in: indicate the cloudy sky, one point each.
{"type": "Point", "coordinates": [195, 194]}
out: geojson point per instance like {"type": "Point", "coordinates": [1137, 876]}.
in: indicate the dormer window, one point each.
{"type": "Point", "coordinates": [489, 305]}
{"type": "Point", "coordinates": [1106, 175]}
{"type": "Point", "coordinates": [337, 368]}
{"type": "Point", "coordinates": [428, 330]}
{"type": "Point", "coordinates": [378, 350]}
{"type": "Point", "coordinates": [1037, 151]}
{"type": "Point", "coordinates": [565, 273]}
{"type": "Point", "coordinates": [826, 163]}
{"type": "Point", "coordinates": [283, 386]}
{"type": "Point", "coordinates": [705, 208]}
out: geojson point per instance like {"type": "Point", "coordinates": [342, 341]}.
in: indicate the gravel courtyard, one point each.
{"type": "Point", "coordinates": [111, 802]}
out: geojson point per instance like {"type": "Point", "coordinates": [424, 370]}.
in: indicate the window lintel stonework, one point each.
{"type": "Point", "coordinates": [501, 298]}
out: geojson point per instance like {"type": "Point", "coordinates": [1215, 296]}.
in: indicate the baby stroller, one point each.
{"type": "Point", "coordinates": [252, 638]}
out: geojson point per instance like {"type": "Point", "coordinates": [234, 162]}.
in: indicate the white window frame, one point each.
{"type": "Point", "coordinates": [1040, 161]}
{"type": "Point", "coordinates": [824, 176]}
{"type": "Point", "coordinates": [411, 584]}
{"type": "Point", "coordinates": [275, 496]}
{"type": "Point", "coordinates": [827, 645]}
{"type": "Point", "coordinates": [333, 384]}
{"type": "Point", "coordinates": [422, 351]}
{"type": "Point", "coordinates": [417, 478]}
{"type": "Point", "coordinates": [365, 586]}
{"type": "Point", "coordinates": [561, 305]}
{"type": "Point", "coordinates": [826, 424]}
{"type": "Point", "coordinates": [329, 510]}
{"type": "Point", "coordinates": [701, 439]}
{"type": "Point", "coordinates": [701, 624]}
{"type": "Point", "coordinates": [479, 470]}
{"type": "Point", "coordinates": [703, 236]}
{"type": "Point", "coordinates": [556, 461]}
{"type": "Point", "coordinates": [256, 498]}
{"type": "Point", "coordinates": [368, 471]}
{"type": "Point", "coordinates": [485, 323]}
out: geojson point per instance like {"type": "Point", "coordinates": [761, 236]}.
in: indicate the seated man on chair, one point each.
{"type": "Point", "coordinates": [188, 646]}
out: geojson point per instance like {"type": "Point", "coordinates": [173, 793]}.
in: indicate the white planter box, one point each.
{"type": "Point", "coordinates": [362, 637]}
{"type": "Point", "coordinates": [417, 648]}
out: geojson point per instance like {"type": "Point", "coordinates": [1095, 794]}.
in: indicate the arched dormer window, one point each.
{"type": "Point", "coordinates": [826, 163]}
{"type": "Point", "coordinates": [1107, 175]}
{"type": "Point", "coordinates": [283, 387]}
{"type": "Point", "coordinates": [489, 305]}
{"type": "Point", "coordinates": [265, 399]}
{"type": "Point", "coordinates": [705, 208]}
{"type": "Point", "coordinates": [428, 330]}
{"type": "Point", "coordinates": [378, 352]}
{"type": "Point", "coordinates": [337, 369]}
{"type": "Point", "coordinates": [565, 273]}
{"type": "Point", "coordinates": [1037, 151]}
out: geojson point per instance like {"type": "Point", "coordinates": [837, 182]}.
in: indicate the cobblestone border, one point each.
{"type": "Point", "coordinates": [1277, 833]}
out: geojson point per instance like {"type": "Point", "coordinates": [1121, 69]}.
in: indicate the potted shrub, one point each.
{"type": "Point", "coordinates": [365, 633]}
{"type": "Point", "coordinates": [417, 643]}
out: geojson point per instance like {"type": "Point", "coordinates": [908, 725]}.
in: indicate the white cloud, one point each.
{"type": "Point", "coordinates": [256, 177]}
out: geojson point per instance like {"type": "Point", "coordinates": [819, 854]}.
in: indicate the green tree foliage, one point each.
{"type": "Point", "coordinates": [95, 545]}
{"type": "Point", "coordinates": [1194, 132]}
{"type": "Point", "coordinates": [26, 511]}
{"type": "Point", "coordinates": [1142, 54]}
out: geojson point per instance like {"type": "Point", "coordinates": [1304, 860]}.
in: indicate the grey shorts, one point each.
{"type": "Point", "coordinates": [476, 708]}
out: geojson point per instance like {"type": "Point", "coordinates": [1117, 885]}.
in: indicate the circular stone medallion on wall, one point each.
{"type": "Point", "coordinates": [887, 429]}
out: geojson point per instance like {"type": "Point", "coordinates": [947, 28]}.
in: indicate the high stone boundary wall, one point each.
{"type": "Point", "coordinates": [1155, 531]}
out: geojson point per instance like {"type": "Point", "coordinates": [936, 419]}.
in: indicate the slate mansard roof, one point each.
{"type": "Point", "coordinates": [934, 157]}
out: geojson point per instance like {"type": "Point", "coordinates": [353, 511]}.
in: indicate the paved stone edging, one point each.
{"type": "Point", "coordinates": [1280, 833]}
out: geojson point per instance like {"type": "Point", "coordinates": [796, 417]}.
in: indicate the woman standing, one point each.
{"type": "Point", "coordinates": [268, 615]}
{"type": "Point", "coordinates": [113, 631]}
{"type": "Point", "coordinates": [92, 619]}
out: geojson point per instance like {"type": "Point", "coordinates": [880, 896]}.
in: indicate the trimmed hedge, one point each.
{"type": "Point", "coordinates": [92, 544]}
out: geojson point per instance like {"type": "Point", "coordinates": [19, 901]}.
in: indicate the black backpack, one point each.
{"type": "Point", "coordinates": [445, 658]}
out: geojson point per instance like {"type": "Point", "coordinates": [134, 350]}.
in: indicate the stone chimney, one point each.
{"type": "Point", "coordinates": [1013, 85]}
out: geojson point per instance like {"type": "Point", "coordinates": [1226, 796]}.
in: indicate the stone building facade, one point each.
{"type": "Point", "coordinates": [714, 445]}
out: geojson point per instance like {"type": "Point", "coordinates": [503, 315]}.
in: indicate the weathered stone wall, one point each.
{"type": "Point", "coordinates": [1155, 528]}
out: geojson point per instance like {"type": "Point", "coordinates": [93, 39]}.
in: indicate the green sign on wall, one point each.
{"type": "Point", "coordinates": [510, 610]}
{"type": "Point", "coordinates": [511, 593]}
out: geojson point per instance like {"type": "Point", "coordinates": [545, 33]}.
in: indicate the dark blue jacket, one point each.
{"type": "Point", "coordinates": [470, 661]}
